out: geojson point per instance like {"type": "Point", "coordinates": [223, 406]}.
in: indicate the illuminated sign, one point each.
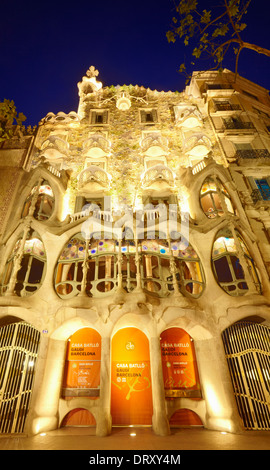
{"type": "Point", "coordinates": [179, 365]}
{"type": "Point", "coordinates": [82, 369]}
{"type": "Point", "coordinates": [131, 398]}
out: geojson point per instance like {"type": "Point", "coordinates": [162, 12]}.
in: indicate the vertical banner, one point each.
{"type": "Point", "coordinates": [82, 368]}
{"type": "Point", "coordinates": [131, 390]}
{"type": "Point", "coordinates": [180, 373]}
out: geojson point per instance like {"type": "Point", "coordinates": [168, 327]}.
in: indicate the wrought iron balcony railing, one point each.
{"type": "Point", "coordinates": [253, 153]}
{"type": "Point", "coordinates": [227, 107]}
{"type": "Point", "coordinates": [260, 195]}
{"type": "Point", "coordinates": [238, 125]}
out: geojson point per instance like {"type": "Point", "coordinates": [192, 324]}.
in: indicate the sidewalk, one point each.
{"type": "Point", "coordinates": [144, 439]}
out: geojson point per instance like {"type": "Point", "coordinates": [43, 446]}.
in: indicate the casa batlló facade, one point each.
{"type": "Point", "coordinates": [135, 261]}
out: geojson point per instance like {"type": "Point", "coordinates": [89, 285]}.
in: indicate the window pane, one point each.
{"type": "Point", "coordinates": [22, 271]}
{"type": "Point", "coordinates": [208, 205]}
{"type": "Point", "coordinates": [238, 270]}
{"type": "Point", "coordinates": [36, 271]}
{"type": "Point", "coordinates": [223, 270]}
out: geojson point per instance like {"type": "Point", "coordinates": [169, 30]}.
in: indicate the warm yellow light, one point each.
{"type": "Point", "coordinates": [214, 403]}
{"type": "Point", "coordinates": [66, 209]}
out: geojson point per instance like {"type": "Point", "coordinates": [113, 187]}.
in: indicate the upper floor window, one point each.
{"type": "Point", "coordinates": [260, 189]}
{"type": "Point", "coordinates": [42, 198]}
{"type": "Point", "coordinates": [263, 187]}
{"type": "Point", "coordinates": [24, 270]}
{"type": "Point", "coordinates": [210, 198]}
{"type": "Point", "coordinates": [99, 117]}
{"type": "Point", "coordinates": [227, 267]}
{"type": "Point", "coordinates": [148, 116]}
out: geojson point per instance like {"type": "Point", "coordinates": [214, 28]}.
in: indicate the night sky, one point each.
{"type": "Point", "coordinates": [46, 48]}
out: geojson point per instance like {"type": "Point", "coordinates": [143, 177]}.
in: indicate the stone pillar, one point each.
{"type": "Point", "coordinates": [46, 406]}
{"type": "Point", "coordinates": [221, 408]}
{"type": "Point", "coordinates": [159, 419]}
{"type": "Point", "coordinates": [104, 420]}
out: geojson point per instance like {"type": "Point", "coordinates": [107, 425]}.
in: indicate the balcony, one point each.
{"type": "Point", "coordinates": [158, 174]}
{"type": "Point", "coordinates": [61, 118]}
{"type": "Point", "coordinates": [187, 116]}
{"type": "Point", "coordinates": [252, 154]}
{"type": "Point", "coordinates": [260, 195]}
{"type": "Point", "coordinates": [93, 178]}
{"type": "Point", "coordinates": [227, 107]}
{"type": "Point", "coordinates": [198, 146]}
{"type": "Point", "coordinates": [54, 149]}
{"type": "Point", "coordinates": [235, 126]}
{"type": "Point", "coordinates": [97, 214]}
{"type": "Point", "coordinates": [96, 146]}
{"type": "Point", "coordinates": [154, 144]}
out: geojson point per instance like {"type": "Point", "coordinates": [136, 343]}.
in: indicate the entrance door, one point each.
{"type": "Point", "coordinates": [248, 356]}
{"type": "Point", "coordinates": [131, 390]}
{"type": "Point", "coordinates": [18, 354]}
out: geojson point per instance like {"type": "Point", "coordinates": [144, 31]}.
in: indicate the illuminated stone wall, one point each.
{"type": "Point", "coordinates": [135, 145]}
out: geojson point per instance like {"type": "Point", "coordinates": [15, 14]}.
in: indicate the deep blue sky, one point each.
{"type": "Point", "coordinates": [46, 48]}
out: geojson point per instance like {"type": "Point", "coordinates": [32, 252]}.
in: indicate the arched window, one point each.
{"type": "Point", "coordinates": [228, 270]}
{"type": "Point", "coordinates": [210, 198]}
{"type": "Point", "coordinates": [43, 198]}
{"type": "Point", "coordinates": [28, 258]}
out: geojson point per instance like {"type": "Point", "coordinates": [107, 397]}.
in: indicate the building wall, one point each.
{"type": "Point", "coordinates": [187, 137]}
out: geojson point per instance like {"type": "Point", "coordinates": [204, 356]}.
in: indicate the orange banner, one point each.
{"type": "Point", "coordinates": [82, 369]}
{"type": "Point", "coordinates": [131, 398]}
{"type": "Point", "coordinates": [179, 365]}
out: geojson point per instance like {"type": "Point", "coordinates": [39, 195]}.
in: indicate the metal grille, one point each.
{"type": "Point", "coordinates": [247, 348]}
{"type": "Point", "coordinates": [18, 354]}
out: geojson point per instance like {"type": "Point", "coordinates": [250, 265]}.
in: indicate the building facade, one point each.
{"type": "Point", "coordinates": [135, 261]}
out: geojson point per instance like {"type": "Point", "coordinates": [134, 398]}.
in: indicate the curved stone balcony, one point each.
{"type": "Point", "coordinates": [198, 146]}
{"type": "Point", "coordinates": [54, 148]}
{"type": "Point", "coordinates": [154, 144]}
{"type": "Point", "coordinates": [187, 116]}
{"type": "Point", "coordinates": [96, 146]}
{"type": "Point", "coordinates": [156, 174]}
{"type": "Point", "coordinates": [61, 118]}
{"type": "Point", "coordinates": [94, 176]}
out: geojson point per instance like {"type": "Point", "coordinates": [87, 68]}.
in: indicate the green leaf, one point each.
{"type": "Point", "coordinates": [182, 68]}
{"type": "Point", "coordinates": [206, 18]}
{"type": "Point", "coordinates": [170, 36]}
{"type": "Point", "coordinates": [204, 38]}
{"type": "Point", "coordinates": [197, 52]}
{"type": "Point", "coordinates": [220, 31]}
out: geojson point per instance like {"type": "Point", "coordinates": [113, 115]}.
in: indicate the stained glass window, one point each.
{"type": "Point", "coordinates": [44, 203]}
{"type": "Point", "coordinates": [227, 267]}
{"type": "Point", "coordinates": [154, 265]}
{"type": "Point", "coordinates": [210, 198]}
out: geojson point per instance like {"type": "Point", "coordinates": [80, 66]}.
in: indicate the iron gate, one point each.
{"type": "Point", "coordinates": [247, 349]}
{"type": "Point", "coordinates": [18, 354]}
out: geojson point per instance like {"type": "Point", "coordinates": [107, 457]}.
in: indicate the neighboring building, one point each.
{"type": "Point", "coordinates": [108, 315]}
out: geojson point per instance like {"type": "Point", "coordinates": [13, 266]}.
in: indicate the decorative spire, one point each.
{"type": "Point", "coordinates": [92, 72]}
